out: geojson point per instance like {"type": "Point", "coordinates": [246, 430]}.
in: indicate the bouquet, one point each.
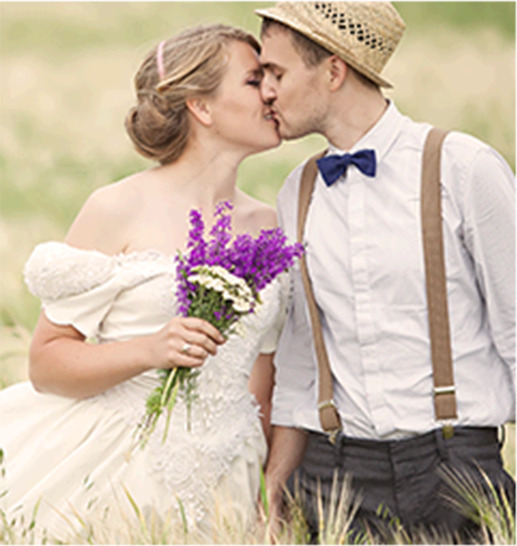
{"type": "Point", "coordinates": [220, 283]}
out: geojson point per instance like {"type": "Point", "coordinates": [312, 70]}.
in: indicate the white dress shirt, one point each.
{"type": "Point", "coordinates": [365, 259]}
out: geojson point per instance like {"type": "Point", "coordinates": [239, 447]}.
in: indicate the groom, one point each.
{"type": "Point", "coordinates": [323, 65]}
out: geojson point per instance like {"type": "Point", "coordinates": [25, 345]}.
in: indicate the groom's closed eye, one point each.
{"type": "Point", "coordinates": [273, 70]}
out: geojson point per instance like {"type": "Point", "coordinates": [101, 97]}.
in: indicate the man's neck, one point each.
{"type": "Point", "coordinates": [354, 118]}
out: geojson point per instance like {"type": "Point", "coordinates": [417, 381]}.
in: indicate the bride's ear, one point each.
{"type": "Point", "coordinates": [200, 109]}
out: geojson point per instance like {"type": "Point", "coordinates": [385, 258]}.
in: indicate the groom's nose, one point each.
{"type": "Point", "coordinates": [267, 88]}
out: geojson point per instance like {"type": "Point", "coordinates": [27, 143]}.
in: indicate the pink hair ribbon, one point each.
{"type": "Point", "coordinates": [159, 60]}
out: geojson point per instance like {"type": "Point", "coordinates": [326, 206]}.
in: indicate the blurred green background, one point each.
{"type": "Point", "coordinates": [66, 73]}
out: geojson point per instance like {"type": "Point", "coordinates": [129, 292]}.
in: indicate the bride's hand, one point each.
{"type": "Point", "coordinates": [184, 341]}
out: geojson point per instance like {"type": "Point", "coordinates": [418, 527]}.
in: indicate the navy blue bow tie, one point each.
{"type": "Point", "coordinates": [334, 166]}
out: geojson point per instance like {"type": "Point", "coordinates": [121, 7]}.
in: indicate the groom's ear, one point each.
{"type": "Point", "coordinates": [337, 71]}
{"type": "Point", "coordinates": [200, 109]}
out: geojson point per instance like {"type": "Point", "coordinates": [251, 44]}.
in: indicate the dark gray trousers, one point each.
{"type": "Point", "coordinates": [400, 482]}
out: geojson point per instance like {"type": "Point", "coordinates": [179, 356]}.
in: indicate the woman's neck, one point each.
{"type": "Point", "coordinates": [204, 177]}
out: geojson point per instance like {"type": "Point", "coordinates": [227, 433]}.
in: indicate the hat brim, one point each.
{"type": "Point", "coordinates": [299, 26]}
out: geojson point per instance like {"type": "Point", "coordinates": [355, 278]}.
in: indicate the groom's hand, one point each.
{"type": "Point", "coordinates": [286, 453]}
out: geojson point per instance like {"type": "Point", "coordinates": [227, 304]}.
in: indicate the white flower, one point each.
{"type": "Point", "coordinates": [215, 284]}
{"type": "Point", "coordinates": [241, 305]}
{"type": "Point", "coordinates": [221, 280]}
{"type": "Point", "coordinates": [207, 281]}
{"type": "Point", "coordinates": [196, 279]}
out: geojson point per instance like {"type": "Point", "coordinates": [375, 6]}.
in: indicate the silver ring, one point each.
{"type": "Point", "coordinates": [186, 348]}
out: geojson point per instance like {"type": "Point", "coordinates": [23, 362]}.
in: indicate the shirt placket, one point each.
{"type": "Point", "coordinates": [363, 301]}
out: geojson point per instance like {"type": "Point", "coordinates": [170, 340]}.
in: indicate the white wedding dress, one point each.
{"type": "Point", "coordinates": [80, 458]}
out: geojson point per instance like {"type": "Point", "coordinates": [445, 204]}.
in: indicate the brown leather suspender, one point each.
{"type": "Point", "coordinates": [444, 395]}
{"type": "Point", "coordinates": [432, 235]}
{"type": "Point", "coordinates": [329, 416]}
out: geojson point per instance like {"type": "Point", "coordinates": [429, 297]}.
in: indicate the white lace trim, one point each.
{"type": "Point", "coordinates": [224, 418]}
{"type": "Point", "coordinates": [56, 270]}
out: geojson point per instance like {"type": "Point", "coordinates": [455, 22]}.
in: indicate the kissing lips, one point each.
{"type": "Point", "coordinates": [270, 115]}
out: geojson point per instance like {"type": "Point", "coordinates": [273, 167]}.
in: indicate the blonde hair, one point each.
{"type": "Point", "coordinates": [193, 63]}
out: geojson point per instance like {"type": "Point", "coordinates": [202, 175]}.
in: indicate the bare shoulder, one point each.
{"type": "Point", "coordinates": [103, 221]}
{"type": "Point", "coordinates": [256, 214]}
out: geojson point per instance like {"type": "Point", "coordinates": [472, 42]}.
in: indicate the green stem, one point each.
{"type": "Point", "coordinates": [167, 387]}
{"type": "Point", "coordinates": [170, 406]}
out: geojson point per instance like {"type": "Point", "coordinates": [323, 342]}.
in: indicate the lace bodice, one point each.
{"type": "Point", "coordinates": [112, 298]}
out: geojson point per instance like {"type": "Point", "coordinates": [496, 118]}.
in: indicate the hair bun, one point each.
{"type": "Point", "coordinates": [156, 130]}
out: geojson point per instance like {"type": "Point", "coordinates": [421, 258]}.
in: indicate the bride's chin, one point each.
{"type": "Point", "coordinates": [277, 140]}
{"type": "Point", "coordinates": [272, 145]}
{"type": "Point", "coordinates": [268, 144]}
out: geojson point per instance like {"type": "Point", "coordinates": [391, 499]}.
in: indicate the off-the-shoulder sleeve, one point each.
{"type": "Point", "coordinates": [281, 293]}
{"type": "Point", "coordinates": [76, 287]}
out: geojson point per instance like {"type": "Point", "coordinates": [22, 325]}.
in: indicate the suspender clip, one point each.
{"type": "Point", "coordinates": [447, 430]}
{"type": "Point", "coordinates": [332, 435]}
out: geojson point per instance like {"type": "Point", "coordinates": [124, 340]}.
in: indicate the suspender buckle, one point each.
{"type": "Point", "coordinates": [326, 404]}
{"type": "Point", "coordinates": [447, 389]}
{"type": "Point", "coordinates": [447, 430]}
{"type": "Point", "coordinates": [330, 422]}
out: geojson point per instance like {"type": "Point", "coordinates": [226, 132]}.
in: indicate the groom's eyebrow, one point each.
{"type": "Point", "coordinates": [256, 72]}
{"type": "Point", "coordinates": [270, 67]}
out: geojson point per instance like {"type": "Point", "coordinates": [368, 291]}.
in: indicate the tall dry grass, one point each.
{"type": "Point", "coordinates": [128, 523]}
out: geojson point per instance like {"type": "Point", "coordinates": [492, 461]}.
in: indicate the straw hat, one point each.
{"type": "Point", "coordinates": [363, 34]}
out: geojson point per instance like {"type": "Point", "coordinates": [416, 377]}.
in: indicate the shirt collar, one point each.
{"type": "Point", "coordinates": [380, 137]}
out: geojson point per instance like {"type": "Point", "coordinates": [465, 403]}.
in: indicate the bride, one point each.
{"type": "Point", "coordinates": [68, 436]}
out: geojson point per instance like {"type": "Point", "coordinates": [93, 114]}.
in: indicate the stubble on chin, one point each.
{"type": "Point", "coordinates": [291, 133]}
{"type": "Point", "coordinates": [310, 125]}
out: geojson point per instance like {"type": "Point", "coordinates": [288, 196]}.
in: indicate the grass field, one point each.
{"type": "Point", "coordinates": [65, 87]}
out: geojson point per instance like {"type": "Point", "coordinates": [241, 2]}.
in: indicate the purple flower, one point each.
{"type": "Point", "coordinates": [257, 261]}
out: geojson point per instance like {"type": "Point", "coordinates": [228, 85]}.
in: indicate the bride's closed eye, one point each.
{"type": "Point", "coordinates": [255, 82]}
